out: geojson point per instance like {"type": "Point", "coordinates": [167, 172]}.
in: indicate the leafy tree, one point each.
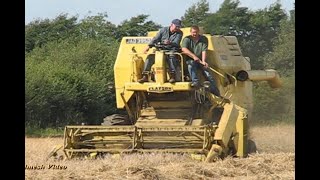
{"type": "Point", "coordinates": [274, 104]}
{"type": "Point", "coordinates": [40, 32]}
{"type": "Point", "coordinates": [196, 14]}
{"type": "Point", "coordinates": [255, 31]}
{"type": "Point", "coordinates": [97, 27]}
{"type": "Point", "coordinates": [136, 26]}
{"type": "Point", "coordinates": [279, 104]}
{"type": "Point", "coordinates": [283, 57]}
{"type": "Point", "coordinates": [229, 20]}
{"type": "Point", "coordinates": [265, 30]}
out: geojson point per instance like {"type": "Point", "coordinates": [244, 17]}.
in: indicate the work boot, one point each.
{"type": "Point", "coordinates": [187, 78]}
{"type": "Point", "coordinates": [172, 77]}
{"type": "Point", "coordinates": [143, 79]}
{"type": "Point", "coordinates": [206, 84]}
{"type": "Point", "coordinates": [194, 84]}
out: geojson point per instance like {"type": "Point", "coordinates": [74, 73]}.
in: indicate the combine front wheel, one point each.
{"type": "Point", "coordinates": [252, 148]}
{"type": "Point", "coordinates": [116, 119]}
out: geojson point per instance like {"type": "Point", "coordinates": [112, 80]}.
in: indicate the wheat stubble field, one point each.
{"type": "Point", "coordinates": [275, 160]}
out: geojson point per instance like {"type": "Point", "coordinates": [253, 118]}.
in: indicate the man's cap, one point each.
{"type": "Point", "coordinates": [177, 22]}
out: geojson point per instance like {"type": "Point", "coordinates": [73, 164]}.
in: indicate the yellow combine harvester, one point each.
{"type": "Point", "coordinates": [174, 117]}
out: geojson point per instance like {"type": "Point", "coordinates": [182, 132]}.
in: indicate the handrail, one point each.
{"type": "Point", "coordinates": [182, 71]}
{"type": "Point", "coordinates": [235, 82]}
{"type": "Point", "coordinates": [167, 53]}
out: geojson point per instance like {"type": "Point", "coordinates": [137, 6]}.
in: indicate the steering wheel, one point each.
{"type": "Point", "coordinates": [161, 46]}
{"type": "Point", "coordinates": [165, 47]}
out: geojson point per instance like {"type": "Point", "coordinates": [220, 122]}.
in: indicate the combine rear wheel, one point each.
{"type": "Point", "coordinates": [116, 119]}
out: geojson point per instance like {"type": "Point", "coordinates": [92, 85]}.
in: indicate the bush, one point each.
{"type": "Point", "coordinates": [67, 84]}
{"type": "Point", "coordinates": [274, 104]}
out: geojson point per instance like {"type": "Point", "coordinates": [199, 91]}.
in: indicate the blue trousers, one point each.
{"type": "Point", "coordinates": [192, 68]}
{"type": "Point", "coordinates": [171, 60]}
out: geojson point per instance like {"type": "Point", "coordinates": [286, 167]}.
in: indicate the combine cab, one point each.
{"type": "Point", "coordinates": [173, 117]}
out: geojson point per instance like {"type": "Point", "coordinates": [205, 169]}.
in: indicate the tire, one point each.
{"type": "Point", "coordinates": [116, 119]}
{"type": "Point", "coordinates": [252, 147]}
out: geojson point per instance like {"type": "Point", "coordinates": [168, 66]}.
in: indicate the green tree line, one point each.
{"type": "Point", "coordinates": [69, 61]}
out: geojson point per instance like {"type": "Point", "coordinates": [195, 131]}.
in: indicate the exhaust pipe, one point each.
{"type": "Point", "coordinates": [269, 75]}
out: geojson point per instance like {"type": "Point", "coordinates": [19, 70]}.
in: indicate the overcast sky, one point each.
{"type": "Point", "coordinates": [160, 11]}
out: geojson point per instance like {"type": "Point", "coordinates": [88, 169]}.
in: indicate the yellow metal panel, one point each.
{"type": "Point", "coordinates": [148, 112]}
{"type": "Point", "coordinates": [178, 86]}
{"type": "Point", "coordinates": [160, 68]}
{"type": "Point", "coordinates": [227, 124]}
{"type": "Point", "coordinates": [128, 65]}
{"type": "Point", "coordinates": [127, 95]}
{"type": "Point", "coordinates": [242, 133]}
{"type": "Point", "coordinates": [172, 104]}
{"type": "Point", "coordinates": [160, 122]}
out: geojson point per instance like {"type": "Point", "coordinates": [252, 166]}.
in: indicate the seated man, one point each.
{"type": "Point", "coordinates": [195, 47]}
{"type": "Point", "coordinates": [170, 36]}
